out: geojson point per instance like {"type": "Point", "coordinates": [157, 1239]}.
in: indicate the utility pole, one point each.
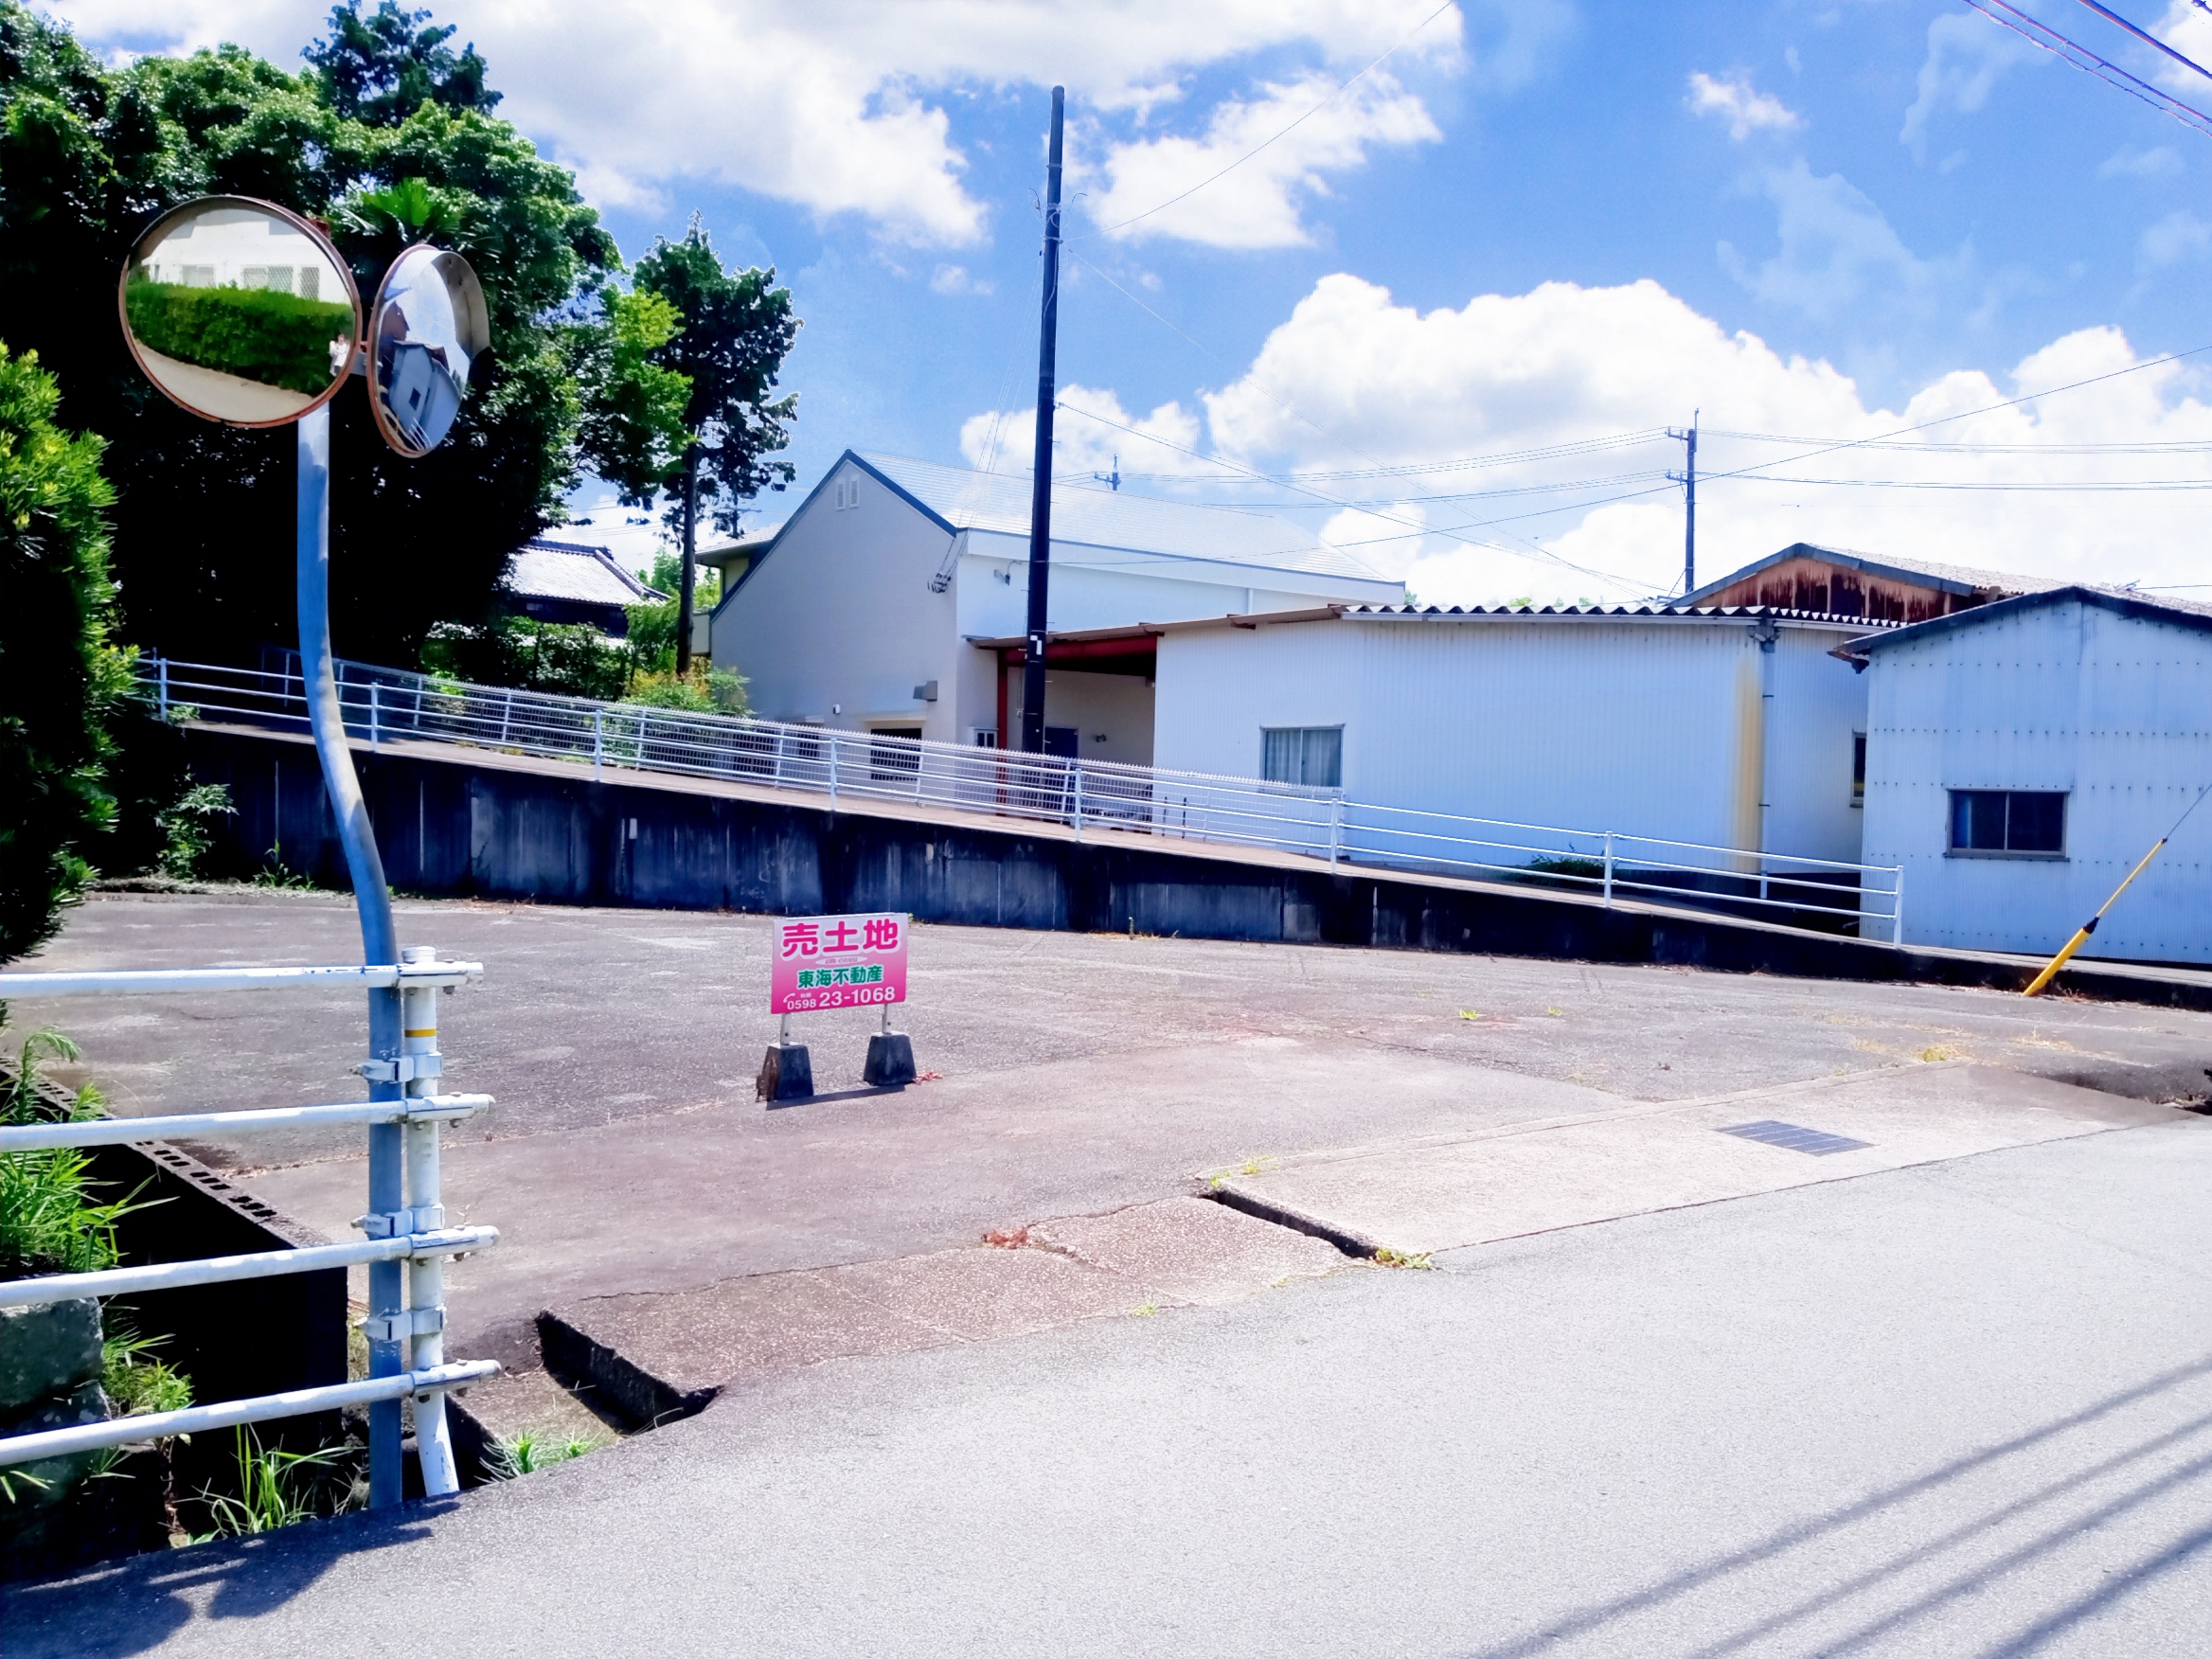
{"type": "Point", "coordinates": [1041, 489]}
{"type": "Point", "coordinates": [1689, 480]}
{"type": "Point", "coordinates": [690, 554]}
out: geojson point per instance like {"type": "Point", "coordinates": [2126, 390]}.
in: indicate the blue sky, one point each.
{"type": "Point", "coordinates": [1532, 224]}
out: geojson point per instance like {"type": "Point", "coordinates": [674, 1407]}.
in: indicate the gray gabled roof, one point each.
{"type": "Point", "coordinates": [542, 569]}
{"type": "Point", "coordinates": [1950, 579]}
{"type": "Point", "coordinates": [1095, 516]}
{"type": "Point", "coordinates": [2123, 602]}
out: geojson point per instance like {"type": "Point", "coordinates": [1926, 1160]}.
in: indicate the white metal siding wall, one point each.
{"type": "Point", "coordinates": [2115, 710]}
{"type": "Point", "coordinates": [841, 613]}
{"type": "Point", "coordinates": [1651, 729]}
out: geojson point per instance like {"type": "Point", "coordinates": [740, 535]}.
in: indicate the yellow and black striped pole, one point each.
{"type": "Point", "coordinates": [2082, 933]}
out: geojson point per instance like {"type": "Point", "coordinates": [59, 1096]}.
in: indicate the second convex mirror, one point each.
{"type": "Point", "coordinates": [426, 328]}
{"type": "Point", "coordinates": [240, 310]}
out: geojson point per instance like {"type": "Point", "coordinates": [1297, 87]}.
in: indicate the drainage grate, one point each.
{"type": "Point", "coordinates": [1795, 1139]}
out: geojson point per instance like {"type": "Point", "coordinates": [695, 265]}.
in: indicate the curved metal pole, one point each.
{"type": "Point", "coordinates": [379, 941]}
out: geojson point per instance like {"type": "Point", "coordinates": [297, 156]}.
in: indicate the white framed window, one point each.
{"type": "Point", "coordinates": [1310, 756]}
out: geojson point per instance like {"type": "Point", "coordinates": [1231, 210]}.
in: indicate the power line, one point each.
{"type": "Point", "coordinates": [1202, 184]}
{"type": "Point", "coordinates": [1759, 468]}
{"type": "Point", "coordinates": [2050, 40]}
{"type": "Point", "coordinates": [1350, 506]}
{"type": "Point", "coordinates": [2144, 35]}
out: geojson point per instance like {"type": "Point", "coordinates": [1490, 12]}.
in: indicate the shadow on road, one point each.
{"type": "Point", "coordinates": [130, 1606]}
{"type": "Point", "coordinates": [1924, 1553]}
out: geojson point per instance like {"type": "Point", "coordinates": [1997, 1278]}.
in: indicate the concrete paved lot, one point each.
{"type": "Point", "coordinates": [1959, 1409]}
{"type": "Point", "coordinates": [1080, 1075]}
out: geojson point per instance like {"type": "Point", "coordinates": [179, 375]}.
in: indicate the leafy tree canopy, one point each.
{"type": "Point", "coordinates": [203, 524]}
{"type": "Point", "coordinates": [736, 329]}
{"type": "Point", "coordinates": [57, 674]}
{"type": "Point", "coordinates": [379, 68]}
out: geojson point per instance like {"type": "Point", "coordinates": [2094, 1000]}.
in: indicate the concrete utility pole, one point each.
{"type": "Point", "coordinates": [1689, 480]}
{"type": "Point", "coordinates": [1041, 491]}
{"type": "Point", "coordinates": [691, 555]}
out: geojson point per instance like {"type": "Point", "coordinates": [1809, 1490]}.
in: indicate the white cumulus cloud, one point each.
{"type": "Point", "coordinates": [1413, 408]}
{"type": "Point", "coordinates": [1734, 100]}
{"type": "Point", "coordinates": [1004, 440]}
{"type": "Point", "coordinates": [845, 107]}
{"type": "Point", "coordinates": [1256, 205]}
{"type": "Point", "coordinates": [1967, 56]}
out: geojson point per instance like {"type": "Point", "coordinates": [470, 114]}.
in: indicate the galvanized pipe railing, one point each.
{"type": "Point", "coordinates": [1085, 796]}
{"type": "Point", "coordinates": [415, 1233]}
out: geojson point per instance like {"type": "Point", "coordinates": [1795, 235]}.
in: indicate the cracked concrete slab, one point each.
{"type": "Point", "coordinates": [1190, 1250]}
{"type": "Point", "coordinates": [1440, 1194]}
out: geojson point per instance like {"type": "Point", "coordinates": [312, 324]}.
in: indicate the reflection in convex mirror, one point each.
{"type": "Point", "coordinates": [428, 325]}
{"type": "Point", "coordinates": [240, 310]}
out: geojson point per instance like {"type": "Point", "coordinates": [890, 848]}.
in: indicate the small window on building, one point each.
{"type": "Point", "coordinates": [1858, 769]}
{"type": "Point", "coordinates": [1313, 755]}
{"type": "Point", "coordinates": [894, 754]}
{"type": "Point", "coordinates": [2009, 820]}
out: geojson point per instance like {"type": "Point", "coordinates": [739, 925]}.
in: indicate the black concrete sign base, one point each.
{"type": "Point", "coordinates": [787, 1074]}
{"type": "Point", "coordinates": [890, 1060]}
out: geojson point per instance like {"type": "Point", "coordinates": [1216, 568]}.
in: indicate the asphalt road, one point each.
{"type": "Point", "coordinates": [1958, 1409]}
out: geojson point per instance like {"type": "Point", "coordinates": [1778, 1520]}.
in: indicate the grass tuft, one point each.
{"type": "Point", "coordinates": [1389, 1257]}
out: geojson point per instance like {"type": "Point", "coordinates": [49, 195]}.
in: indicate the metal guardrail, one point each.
{"type": "Point", "coordinates": [416, 1234]}
{"type": "Point", "coordinates": [384, 705]}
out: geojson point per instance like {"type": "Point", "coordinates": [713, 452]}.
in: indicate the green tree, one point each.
{"type": "Point", "coordinates": [380, 69]}
{"type": "Point", "coordinates": [633, 432]}
{"type": "Point", "coordinates": [203, 524]}
{"type": "Point", "coordinates": [58, 673]}
{"type": "Point", "coordinates": [737, 328]}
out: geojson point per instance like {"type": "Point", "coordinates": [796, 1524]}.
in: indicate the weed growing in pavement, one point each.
{"type": "Point", "coordinates": [1556, 1013]}
{"type": "Point", "coordinates": [1936, 1051]}
{"type": "Point", "coordinates": [1470, 1013]}
{"type": "Point", "coordinates": [277, 873]}
{"type": "Point", "coordinates": [1144, 1311]}
{"type": "Point", "coordinates": [1389, 1257]}
{"type": "Point", "coordinates": [530, 1452]}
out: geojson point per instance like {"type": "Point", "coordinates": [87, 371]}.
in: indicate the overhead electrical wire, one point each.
{"type": "Point", "coordinates": [2148, 38]}
{"type": "Point", "coordinates": [2042, 34]}
{"type": "Point", "coordinates": [1369, 509]}
{"type": "Point", "coordinates": [1759, 467]}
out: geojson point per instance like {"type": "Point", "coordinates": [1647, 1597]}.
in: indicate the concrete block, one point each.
{"type": "Point", "coordinates": [786, 1073]}
{"type": "Point", "coordinates": [51, 1479]}
{"type": "Point", "coordinates": [890, 1060]}
{"type": "Point", "coordinates": [47, 1352]}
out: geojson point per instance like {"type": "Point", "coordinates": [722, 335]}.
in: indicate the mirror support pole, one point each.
{"type": "Point", "coordinates": [379, 941]}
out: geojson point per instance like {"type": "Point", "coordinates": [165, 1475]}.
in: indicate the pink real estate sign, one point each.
{"type": "Point", "coordinates": [837, 962]}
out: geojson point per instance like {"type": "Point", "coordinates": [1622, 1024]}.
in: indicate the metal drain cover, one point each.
{"type": "Point", "coordinates": [1794, 1139]}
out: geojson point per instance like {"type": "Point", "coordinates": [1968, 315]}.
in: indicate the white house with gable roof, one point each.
{"type": "Point", "coordinates": [885, 601]}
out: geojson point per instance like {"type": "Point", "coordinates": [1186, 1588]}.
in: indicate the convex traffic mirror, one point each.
{"type": "Point", "coordinates": [240, 312]}
{"type": "Point", "coordinates": [426, 327]}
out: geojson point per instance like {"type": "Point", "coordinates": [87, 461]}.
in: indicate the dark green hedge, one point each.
{"type": "Point", "coordinates": [257, 333]}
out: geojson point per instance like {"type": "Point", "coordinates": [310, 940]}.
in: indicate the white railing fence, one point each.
{"type": "Point", "coordinates": [416, 1234]}
{"type": "Point", "coordinates": [384, 705]}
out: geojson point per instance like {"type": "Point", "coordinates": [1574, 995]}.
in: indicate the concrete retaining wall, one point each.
{"type": "Point", "coordinates": [450, 825]}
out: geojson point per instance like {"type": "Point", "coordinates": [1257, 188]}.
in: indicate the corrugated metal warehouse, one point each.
{"type": "Point", "coordinates": [1657, 722]}
{"type": "Point", "coordinates": [2023, 756]}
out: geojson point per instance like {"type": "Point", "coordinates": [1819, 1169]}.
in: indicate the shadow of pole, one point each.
{"type": "Point", "coordinates": [1790, 1537]}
